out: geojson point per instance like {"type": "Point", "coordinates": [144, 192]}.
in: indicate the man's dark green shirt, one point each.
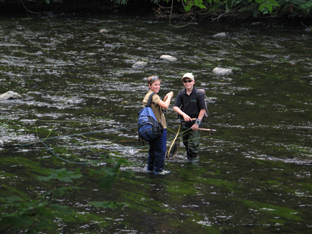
{"type": "Point", "coordinates": [190, 104]}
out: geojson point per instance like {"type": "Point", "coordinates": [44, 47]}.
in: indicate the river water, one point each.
{"type": "Point", "coordinates": [77, 75]}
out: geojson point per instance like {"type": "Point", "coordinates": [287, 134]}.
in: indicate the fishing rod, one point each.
{"type": "Point", "coordinates": [208, 130]}
{"type": "Point", "coordinates": [201, 129]}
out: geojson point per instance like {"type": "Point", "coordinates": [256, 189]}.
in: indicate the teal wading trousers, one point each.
{"type": "Point", "coordinates": [191, 140]}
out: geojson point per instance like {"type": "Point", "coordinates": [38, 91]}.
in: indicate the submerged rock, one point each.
{"type": "Point", "coordinates": [139, 64]}
{"type": "Point", "coordinates": [222, 71]}
{"type": "Point", "coordinates": [103, 30]}
{"type": "Point", "coordinates": [220, 35]}
{"type": "Point", "coordinates": [168, 58]}
{"type": "Point", "coordinates": [9, 95]}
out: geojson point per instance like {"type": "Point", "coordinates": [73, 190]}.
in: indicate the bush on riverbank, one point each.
{"type": "Point", "coordinates": [198, 9]}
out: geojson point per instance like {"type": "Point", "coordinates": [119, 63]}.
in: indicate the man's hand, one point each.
{"type": "Point", "coordinates": [195, 127]}
{"type": "Point", "coordinates": [187, 118]}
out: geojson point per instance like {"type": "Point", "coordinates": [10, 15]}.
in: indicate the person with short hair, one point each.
{"type": "Point", "coordinates": [190, 105]}
{"type": "Point", "coordinates": [157, 150]}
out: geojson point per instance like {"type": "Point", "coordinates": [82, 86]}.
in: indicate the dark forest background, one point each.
{"type": "Point", "coordinates": [196, 9]}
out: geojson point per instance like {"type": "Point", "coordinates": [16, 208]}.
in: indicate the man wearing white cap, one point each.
{"type": "Point", "coordinates": [190, 104]}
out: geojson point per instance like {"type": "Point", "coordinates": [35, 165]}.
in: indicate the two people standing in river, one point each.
{"type": "Point", "coordinates": [190, 105]}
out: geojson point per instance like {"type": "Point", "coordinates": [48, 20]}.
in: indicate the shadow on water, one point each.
{"type": "Point", "coordinates": [81, 94]}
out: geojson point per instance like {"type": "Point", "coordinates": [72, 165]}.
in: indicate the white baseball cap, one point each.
{"type": "Point", "coordinates": [188, 75]}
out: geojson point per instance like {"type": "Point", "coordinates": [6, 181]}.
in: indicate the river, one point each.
{"type": "Point", "coordinates": [81, 92]}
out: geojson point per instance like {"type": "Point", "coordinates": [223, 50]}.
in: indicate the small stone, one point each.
{"type": "Point", "coordinates": [103, 30]}
{"type": "Point", "coordinates": [168, 58]}
{"type": "Point", "coordinates": [220, 35]}
{"type": "Point", "coordinates": [139, 64]}
{"type": "Point", "coordinates": [9, 95]}
{"type": "Point", "coordinates": [222, 71]}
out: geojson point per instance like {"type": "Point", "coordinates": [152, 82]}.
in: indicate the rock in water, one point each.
{"type": "Point", "coordinates": [220, 35]}
{"type": "Point", "coordinates": [222, 71]}
{"type": "Point", "coordinates": [169, 58]}
{"type": "Point", "coordinates": [139, 64]}
{"type": "Point", "coordinates": [9, 95]}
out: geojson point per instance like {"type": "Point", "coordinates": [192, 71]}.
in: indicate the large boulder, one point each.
{"type": "Point", "coordinates": [9, 95]}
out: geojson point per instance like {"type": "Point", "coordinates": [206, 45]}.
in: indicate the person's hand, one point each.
{"type": "Point", "coordinates": [194, 127]}
{"type": "Point", "coordinates": [187, 118]}
{"type": "Point", "coordinates": [170, 94]}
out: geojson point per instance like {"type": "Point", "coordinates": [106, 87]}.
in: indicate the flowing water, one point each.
{"type": "Point", "coordinates": [82, 89]}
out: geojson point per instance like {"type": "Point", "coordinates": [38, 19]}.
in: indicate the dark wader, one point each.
{"type": "Point", "coordinates": [191, 140]}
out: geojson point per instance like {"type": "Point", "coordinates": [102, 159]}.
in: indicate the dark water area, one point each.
{"type": "Point", "coordinates": [82, 87]}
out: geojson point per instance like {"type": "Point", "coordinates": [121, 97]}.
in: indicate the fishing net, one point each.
{"type": "Point", "coordinates": [174, 149]}
{"type": "Point", "coordinates": [174, 146]}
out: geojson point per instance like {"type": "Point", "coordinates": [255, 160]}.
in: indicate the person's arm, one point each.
{"type": "Point", "coordinates": [177, 109]}
{"type": "Point", "coordinates": [198, 120]}
{"type": "Point", "coordinates": [166, 102]}
{"type": "Point", "coordinates": [186, 117]}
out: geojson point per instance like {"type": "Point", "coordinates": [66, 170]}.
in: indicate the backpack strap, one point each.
{"type": "Point", "coordinates": [199, 92]}
{"type": "Point", "coordinates": [149, 100]}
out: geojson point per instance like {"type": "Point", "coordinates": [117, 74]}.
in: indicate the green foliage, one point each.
{"type": "Point", "coordinates": [107, 175]}
{"type": "Point", "coordinates": [231, 3]}
{"type": "Point", "coordinates": [61, 175]}
{"type": "Point", "coordinates": [307, 6]}
{"type": "Point", "coordinates": [106, 204]}
{"type": "Point", "coordinates": [38, 214]}
{"type": "Point", "coordinates": [242, 7]}
{"type": "Point", "coordinates": [253, 7]}
{"type": "Point", "coordinates": [121, 2]}
{"type": "Point", "coordinates": [266, 6]}
{"type": "Point", "coordinates": [295, 6]}
{"type": "Point", "coordinates": [27, 211]}
{"type": "Point", "coordinates": [32, 214]}
{"type": "Point", "coordinates": [191, 3]}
